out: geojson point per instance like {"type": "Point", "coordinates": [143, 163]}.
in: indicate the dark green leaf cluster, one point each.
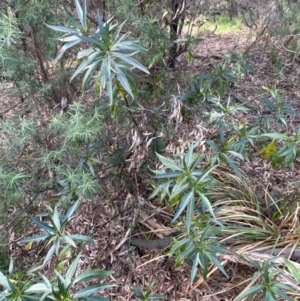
{"type": "Point", "coordinates": [109, 52]}
{"type": "Point", "coordinates": [146, 296]}
{"type": "Point", "coordinates": [55, 232]}
{"type": "Point", "coordinates": [60, 288]}
{"type": "Point", "coordinates": [266, 283]}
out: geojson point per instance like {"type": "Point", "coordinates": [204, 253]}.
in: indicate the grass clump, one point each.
{"type": "Point", "coordinates": [222, 24]}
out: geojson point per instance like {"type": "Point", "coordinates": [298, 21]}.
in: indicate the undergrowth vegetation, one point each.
{"type": "Point", "coordinates": [93, 103]}
{"type": "Point", "coordinates": [222, 24]}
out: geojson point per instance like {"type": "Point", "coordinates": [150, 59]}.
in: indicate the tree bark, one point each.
{"type": "Point", "coordinates": [178, 12]}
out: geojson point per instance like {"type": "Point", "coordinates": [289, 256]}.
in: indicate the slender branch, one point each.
{"type": "Point", "coordinates": [44, 73]}
{"type": "Point", "coordinates": [132, 117]}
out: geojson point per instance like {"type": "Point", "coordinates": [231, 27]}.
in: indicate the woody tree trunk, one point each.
{"type": "Point", "coordinates": [176, 22]}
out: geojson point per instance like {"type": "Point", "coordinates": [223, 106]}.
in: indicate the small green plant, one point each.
{"type": "Point", "coordinates": [276, 107]}
{"type": "Point", "coordinates": [289, 152]}
{"type": "Point", "coordinates": [74, 160]}
{"type": "Point", "coordinates": [210, 88]}
{"type": "Point", "coordinates": [146, 296]}
{"type": "Point", "coordinates": [11, 183]}
{"type": "Point", "coordinates": [16, 289]}
{"type": "Point", "coordinates": [55, 232]}
{"type": "Point", "coordinates": [223, 153]}
{"type": "Point", "coordinates": [66, 285]}
{"type": "Point", "coordinates": [186, 187]}
{"type": "Point", "coordinates": [109, 52]}
{"type": "Point", "coordinates": [233, 147]}
{"type": "Point", "coordinates": [201, 246]}
{"type": "Point", "coordinates": [222, 111]}
{"type": "Point", "coordinates": [221, 77]}
{"type": "Point", "coordinates": [240, 63]}
{"type": "Point", "coordinates": [200, 92]}
{"type": "Point", "coordinates": [185, 184]}
{"type": "Point", "coordinates": [62, 290]}
{"type": "Point", "coordinates": [263, 281]}
{"type": "Point", "coordinates": [245, 135]}
{"type": "Point", "coordinates": [71, 160]}
{"type": "Point", "coordinates": [9, 30]}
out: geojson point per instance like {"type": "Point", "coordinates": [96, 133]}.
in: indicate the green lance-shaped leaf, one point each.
{"type": "Point", "coordinates": [4, 281]}
{"type": "Point", "coordinates": [92, 274]}
{"type": "Point", "coordinates": [48, 229]}
{"type": "Point", "coordinates": [69, 240]}
{"type": "Point", "coordinates": [206, 205]}
{"type": "Point", "coordinates": [72, 269]}
{"type": "Point", "coordinates": [184, 203]}
{"type": "Point", "coordinates": [83, 238]}
{"type": "Point", "coordinates": [62, 28]}
{"type": "Point", "coordinates": [122, 78]}
{"type": "Point", "coordinates": [275, 136]}
{"type": "Point", "coordinates": [55, 218]}
{"type": "Point", "coordinates": [87, 291]}
{"type": "Point", "coordinates": [190, 212]}
{"type": "Point", "coordinates": [65, 47]}
{"type": "Point", "coordinates": [36, 238]}
{"type": "Point", "coordinates": [49, 254]}
{"type": "Point", "coordinates": [169, 163]}
{"type": "Point", "coordinates": [293, 270]}
{"type": "Point", "coordinates": [93, 41]}
{"type": "Point", "coordinates": [133, 62]}
{"type": "Point", "coordinates": [218, 264]}
{"type": "Point", "coordinates": [255, 289]}
{"type": "Point", "coordinates": [85, 64]}
{"type": "Point", "coordinates": [179, 188]}
{"type": "Point", "coordinates": [168, 175]}
{"type": "Point", "coordinates": [81, 12]}
{"type": "Point", "coordinates": [70, 212]}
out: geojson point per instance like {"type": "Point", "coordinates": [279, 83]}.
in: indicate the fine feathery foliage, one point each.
{"type": "Point", "coordinates": [71, 159]}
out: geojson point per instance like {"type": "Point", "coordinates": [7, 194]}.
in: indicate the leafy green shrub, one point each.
{"type": "Point", "coordinates": [290, 150]}
{"type": "Point", "coordinates": [65, 288]}
{"type": "Point", "coordinates": [186, 188]}
{"type": "Point", "coordinates": [185, 185]}
{"type": "Point", "coordinates": [26, 47]}
{"type": "Point", "coordinates": [201, 246]}
{"type": "Point", "coordinates": [240, 63]}
{"type": "Point", "coordinates": [153, 38]}
{"type": "Point", "coordinates": [277, 108]}
{"type": "Point", "coordinates": [65, 153]}
{"type": "Point", "coordinates": [266, 282]}
{"type": "Point", "coordinates": [55, 232]}
{"type": "Point", "coordinates": [71, 159]}
{"type": "Point", "coordinates": [109, 52]}
{"type": "Point", "coordinates": [9, 30]}
{"type": "Point", "coordinates": [210, 87]}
